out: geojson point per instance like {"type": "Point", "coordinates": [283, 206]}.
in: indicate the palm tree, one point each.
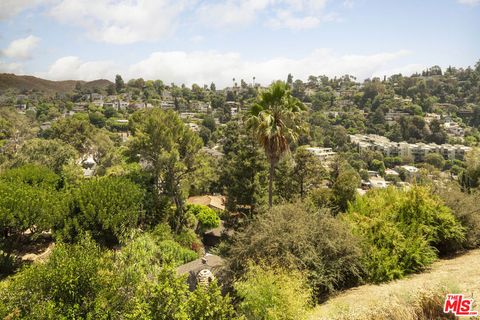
{"type": "Point", "coordinates": [274, 120]}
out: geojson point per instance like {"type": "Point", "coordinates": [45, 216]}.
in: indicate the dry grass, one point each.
{"type": "Point", "coordinates": [419, 296]}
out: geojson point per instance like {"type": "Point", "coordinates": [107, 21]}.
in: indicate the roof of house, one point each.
{"type": "Point", "coordinates": [217, 202]}
{"type": "Point", "coordinates": [217, 232]}
{"type": "Point", "coordinates": [209, 261]}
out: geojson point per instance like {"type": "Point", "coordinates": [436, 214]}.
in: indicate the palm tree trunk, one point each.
{"type": "Point", "coordinates": [270, 183]}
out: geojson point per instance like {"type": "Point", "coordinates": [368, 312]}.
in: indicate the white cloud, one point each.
{"type": "Point", "coordinates": [469, 2]}
{"type": "Point", "coordinates": [21, 49]}
{"type": "Point", "coordinates": [121, 21]}
{"type": "Point", "coordinates": [11, 67]}
{"type": "Point", "coordinates": [291, 14]}
{"type": "Point", "coordinates": [349, 4]}
{"type": "Point", "coordinates": [284, 19]}
{"type": "Point", "coordinates": [204, 67]}
{"type": "Point", "coordinates": [72, 68]}
{"type": "Point", "coordinates": [231, 12]}
{"type": "Point", "coordinates": [10, 8]}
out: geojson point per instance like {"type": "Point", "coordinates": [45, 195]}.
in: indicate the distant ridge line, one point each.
{"type": "Point", "coordinates": [27, 83]}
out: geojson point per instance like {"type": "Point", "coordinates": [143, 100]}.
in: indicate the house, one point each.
{"type": "Point", "coordinates": [187, 115]}
{"type": "Point", "coordinates": [46, 125]}
{"type": "Point", "coordinates": [410, 169]}
{"type": "Point", "coordinates": [214, 202]}
{"type": "Point", "coordinates": [392, 117]}
{"type": "Point", "coordinates": [417, 151]}
{"type": "Point", "coordinates": [80, 107]}
{"type": "Point", "coordinates": [378, 182]}
{"type": "Point", "coordinates": [213, 152]}
{"type": "Point", "coordinates": [429, 117]}
{"type": "Point", "coordinates": [200, 106]}
{"type": "Point", "coordinates": [454, 129]}
{"type": "Point", "coordinates": [122, 105]}
{"type": "Point", "coordinates": [98, 103]}
{"type": "Point", "coordinates": [195, 127]}
{"type": "Point", "coordinates": [324, 154]}
{"type": "Point", "coordinates": [391, 172]}
{"type": "Point", "coordinates": [167, 104]}
{"type": "Point", "coordinates": [201, 271]}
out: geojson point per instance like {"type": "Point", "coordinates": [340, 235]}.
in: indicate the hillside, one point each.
{"type": "Point", "coordinates": [460, 274]}
{"type": "Point", "coordinates": [12, 81]}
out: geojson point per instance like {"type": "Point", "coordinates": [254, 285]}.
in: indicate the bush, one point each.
{"type": "Point", "coordinates": [28, 201]}
{"type": "Point", "coordinates": [189, 239]}
{"type": "Point", "coordinates": [82, 281]}
{"type": "Point", "coordinates": [466, 209]}
{"type": "Point", "coordinates": [65, 285]}
{"type": "Point", "coordinates": [268, 293]}
{"type": "Point", "coordinates": [299, 238]}
{"type": "Point", "coordinates": [173, 253]}
{"type": "Point", "coordinates": [402, 231]}
{"type": "Point", "coordinates": [105, 207]}
{"type": "Point", "coordinates": [207, 218]}
{"type": "Point", "coordinates": [35, 176]}
{"type": "Point", "coordinates": [7, 263]}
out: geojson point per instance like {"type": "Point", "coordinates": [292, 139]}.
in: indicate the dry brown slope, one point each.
{"type": "Point", "coordinates": [461, 274]}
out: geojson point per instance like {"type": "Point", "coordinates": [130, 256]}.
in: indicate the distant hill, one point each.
{"type": "Point", "coordinates": [12, 81]}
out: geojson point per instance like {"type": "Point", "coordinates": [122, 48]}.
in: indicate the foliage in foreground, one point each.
{"type": "Point", "coordinates": [466, 209]}
{"type": "Point", "coordinates": [84, 281]}
{"type": "Point", "coordinates": [269, 293]}
{"type": "Point", "coordinates": [295, 237]}
{"type": "Point", "coordinates": [402, 230]}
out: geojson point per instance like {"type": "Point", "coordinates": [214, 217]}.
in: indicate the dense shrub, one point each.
{"type": "Point", "coordinates": [268, 293]}
{"type": "Point", "coordinates": [105, 207]}
{"type": "Point", "coordinates": [66, 285]}
{"type": "Point", "coordinates": [82, 281]}
{"type": "Point", "coordinates": [28, 201]}
{"type": "Point", "coordinates": [35, 176]}
{"type": "Point", "coordinates": [402, 230]}
{"type": "Point", "coordinates": [295, 237]}
{"type": "Point", "coordinates": [24, 207]}
{"type": "Point", "coordinates": [173, 253]}
{"type": "Point", "coordinates": [207, 217]}
{"type": "Point", "coordinates": [465, 206]}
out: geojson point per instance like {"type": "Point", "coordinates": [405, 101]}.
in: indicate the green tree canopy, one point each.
{"type": "Point", "coordinates": [170, 149]}
{"type": "Point", "coordinates": [107, 207]}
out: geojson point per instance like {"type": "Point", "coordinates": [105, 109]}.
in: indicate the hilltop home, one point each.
{"type": "Point", "coordinates": [417, 151]}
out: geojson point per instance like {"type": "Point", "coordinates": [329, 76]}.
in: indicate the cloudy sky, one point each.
{"type": "Point", "coordinates": [199, 41]}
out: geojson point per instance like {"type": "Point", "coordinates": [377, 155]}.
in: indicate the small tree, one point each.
{"type": "Point", "coordinates": [207, 218]}
{"type": "Point", "coordinates": [105, 207]}
{"type": "Point", "coordinates": [273, 294]}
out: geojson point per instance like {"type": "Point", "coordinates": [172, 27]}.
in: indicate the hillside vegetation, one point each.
{"type": "Point", "coordinates": [27, 83]}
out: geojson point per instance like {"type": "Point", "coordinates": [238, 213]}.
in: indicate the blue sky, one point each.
{"type": "Point", "coordinates": [195, 41]}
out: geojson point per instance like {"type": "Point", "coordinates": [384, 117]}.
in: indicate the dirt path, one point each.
{"type": "Point", "coordinates": [461, 274]}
